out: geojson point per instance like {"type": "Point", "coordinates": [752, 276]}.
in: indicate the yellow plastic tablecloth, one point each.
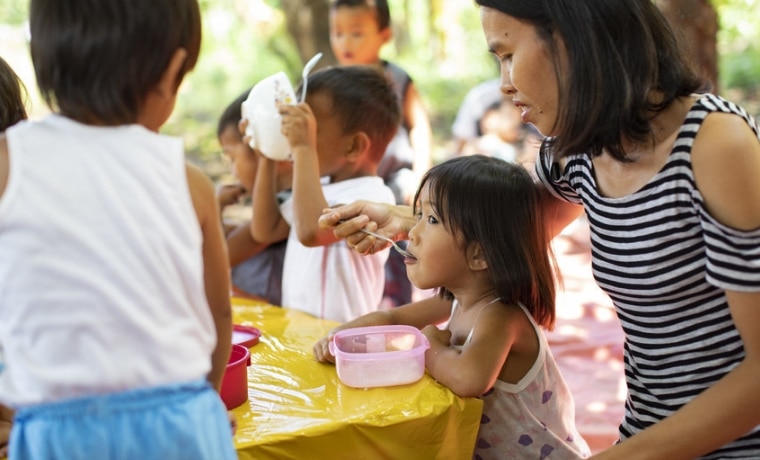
{"type": "Point", "coordinates": [299, 409]}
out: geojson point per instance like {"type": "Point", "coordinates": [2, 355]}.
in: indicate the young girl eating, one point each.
{"type": "Point", "coordinates": [479, 240]}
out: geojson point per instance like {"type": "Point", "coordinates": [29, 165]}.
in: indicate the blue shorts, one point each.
{"type": "Point", "coordinates": [183, 421]}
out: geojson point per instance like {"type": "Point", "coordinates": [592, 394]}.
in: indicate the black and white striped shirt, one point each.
{"type": "Point", "coordinates": [665, 263]}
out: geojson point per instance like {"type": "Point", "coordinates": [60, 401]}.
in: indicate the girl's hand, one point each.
{"type": "Point", "coordinates": [435, 335]}
{"type": "Point", "coordinates": [322, 350]}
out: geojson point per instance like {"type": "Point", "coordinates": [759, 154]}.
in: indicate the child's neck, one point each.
{"type": "Point", "coordinates": [475, 299]}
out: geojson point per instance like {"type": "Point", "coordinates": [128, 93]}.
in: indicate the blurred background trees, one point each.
{"type": "Point", "coordinates": [439, 42]}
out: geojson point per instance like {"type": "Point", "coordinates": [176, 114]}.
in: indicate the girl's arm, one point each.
{"type": "Point", "coordinates": [432, 310]}
{"type": "Point", "coordinates": [730, 408]}
{"type": "Point", "coordinates": [216, 275]}
{"type": "Point", "coordinates": [472, 371]}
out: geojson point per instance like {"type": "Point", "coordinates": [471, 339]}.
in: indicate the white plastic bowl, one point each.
{"type": "Point", "coordinates": [264, 119]}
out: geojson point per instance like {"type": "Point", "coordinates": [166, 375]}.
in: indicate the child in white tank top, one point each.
{"type": "Point", "coordinates": [115, 319]}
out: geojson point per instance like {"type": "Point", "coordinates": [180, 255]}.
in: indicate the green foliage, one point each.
{"type": "Point", "coordinates": [439, 42]}
{"type": "Point", "coordinates": [14, 12]}
{"type": "Point", "coordinates": [738, 38]}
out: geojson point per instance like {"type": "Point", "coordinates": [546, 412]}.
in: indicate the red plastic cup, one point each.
{"type": "Point", "coordinates": [235, 381]}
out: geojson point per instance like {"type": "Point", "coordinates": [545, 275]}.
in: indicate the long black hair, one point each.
{"type": "Point", "coordinates": [487, 201]}
{"type": "Point", "coordinates": [618, 53]}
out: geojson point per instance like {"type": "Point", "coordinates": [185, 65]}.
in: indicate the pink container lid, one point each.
{"type": "Point", "coordinates": [246, 336]}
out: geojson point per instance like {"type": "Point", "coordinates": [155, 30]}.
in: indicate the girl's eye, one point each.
{"type": "Point", "coordinates": [418, 216]}
{"type": "Point", "coordinates": [432, 220]}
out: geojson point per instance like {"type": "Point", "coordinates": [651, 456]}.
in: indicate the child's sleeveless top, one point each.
{"type": "Point", "coordinates": [101, 272]}
{"type": "Point", "coordinates": [665, 262]}
{"type": "Point", "coordinates": [533, 418]}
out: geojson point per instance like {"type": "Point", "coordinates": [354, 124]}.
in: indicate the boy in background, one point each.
{"type": "Point", "coordinates": [256, 267]}
{"type": "Point", "coordinates": [338, 138]}
{"type": "Point", "coordinates": [358, 31]}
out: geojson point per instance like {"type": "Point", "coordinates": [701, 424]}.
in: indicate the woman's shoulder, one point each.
{"type": "Point", "coordinates": [726, 162]}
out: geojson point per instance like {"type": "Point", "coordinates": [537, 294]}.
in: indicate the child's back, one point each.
{"type": "Point", "coordinates": [113, 281]}
{"type": "Point", "coordinates": [99, 237]}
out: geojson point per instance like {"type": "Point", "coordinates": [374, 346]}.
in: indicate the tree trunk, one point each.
{"type": "Point", "coordinates": [307, 23]}
{"type": "Point", "coordinates": [697, 23]}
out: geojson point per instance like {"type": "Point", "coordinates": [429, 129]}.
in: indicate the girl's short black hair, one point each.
{"type": "Point", "coordinates": [382, 12]}
{"type": "Point", "coordinates": [97, 60]}
{"type": "Point", "coordinates": [619, 52]}
{"type": "Point", "coordinates": [12, 96]}
{"type": "Point", "coordinates": [364, 101]}
{"type": "Point", "coordinates": [487, 201]}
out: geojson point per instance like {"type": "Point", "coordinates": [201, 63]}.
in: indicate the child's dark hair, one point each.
{"type": "Point", "coordinates": [363, 99]}
{"type": "Point", "coordinates": [622, 52]}
{"type": "Point", "coordinates": [12, 91]}
{"type": "Point", "coordinates": [380, 7]}
{"type": "Point", "coordinates": [231, 115]}
{"type": "Point", "coordinates": [487, 201]}
{"type": "Point", "coordinates": [97, 60]}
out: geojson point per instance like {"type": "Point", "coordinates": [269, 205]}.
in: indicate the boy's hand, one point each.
{"type": "Point", "coordinates": [299, 126]}
{"type": "Point", "coordinates": [229, 194]}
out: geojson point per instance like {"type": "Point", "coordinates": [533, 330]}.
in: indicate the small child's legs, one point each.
{"type": "Point", "coordinates": [183, 421]}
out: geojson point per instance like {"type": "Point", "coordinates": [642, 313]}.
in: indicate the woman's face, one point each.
{"type": "Point", "coordinates": [527, 70]}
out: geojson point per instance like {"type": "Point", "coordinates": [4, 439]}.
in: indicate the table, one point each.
{"type": "Point", "coordinates": [299, 409]}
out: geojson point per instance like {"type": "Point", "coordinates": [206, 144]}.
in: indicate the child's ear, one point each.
{"type": "Point", "coordinates": [169, 82]}
{"type": "Point", "coordinates": [360, 144]}
{"type": "Point", "coordinates": [386, 35]}
{"type": "Point", "coordinates": [476, 260]}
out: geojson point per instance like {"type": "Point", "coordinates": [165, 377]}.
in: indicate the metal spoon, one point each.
{"type": "Point", "coordinates": [305, 74]}
{"type": "Point", "coordinates": [398, 248]}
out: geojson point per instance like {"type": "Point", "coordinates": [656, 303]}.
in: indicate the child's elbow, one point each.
{"type": "Point", "coordinates": [466, 386]}
{"type": "Point", "coordinates": [308, 238]}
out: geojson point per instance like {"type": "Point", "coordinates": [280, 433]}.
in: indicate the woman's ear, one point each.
{"type": "Point", "coordinates": [360, 144]}
{"type": "Point", "coordinates": [476, 260]}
